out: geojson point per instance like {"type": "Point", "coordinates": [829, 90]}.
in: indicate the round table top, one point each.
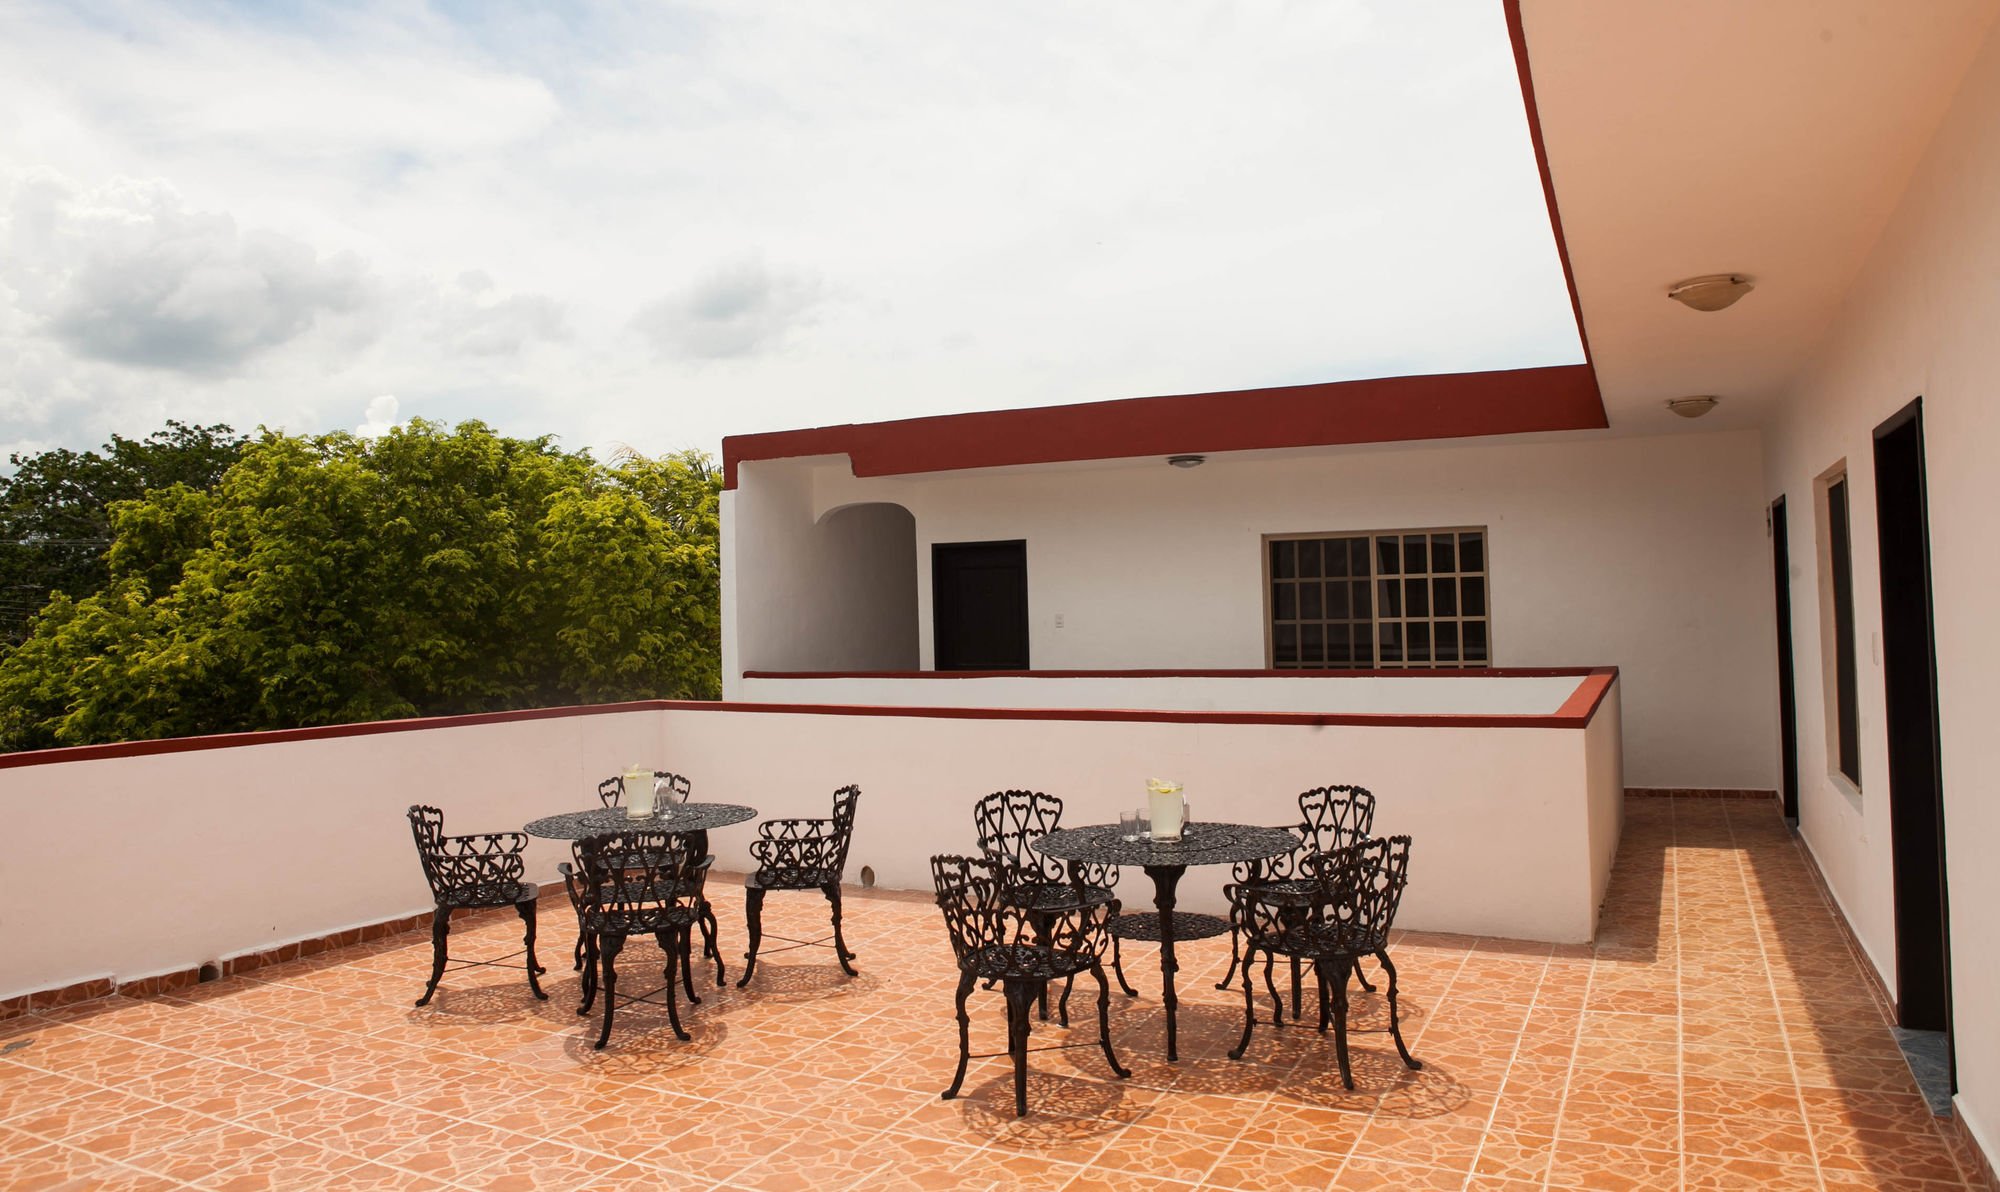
{"type": "Point", "coordinates": [1201, 843]}
{"type": "Point", "coordinates": [600, 821]}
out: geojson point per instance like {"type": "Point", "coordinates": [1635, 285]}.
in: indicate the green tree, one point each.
{"type": "Point", "coordinates": [426, 572]}
{"type": "Point", "coordinates": [55, 509]}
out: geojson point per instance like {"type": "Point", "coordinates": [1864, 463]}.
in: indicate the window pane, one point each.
{"type": "Point", "coordinates": [1414, 555]}
{"type": "Point", "coordinates": [1446, 633]}
{"type": "Point", "coordinates": [1391, 638]}
{"type": "Point", "coordinates": [1419, 644]}
{"type": "Point", "coordinates": [1474, 633]}
{"type": "Point", "coordinates": [1392, 597]}
{"type": "Point", "coordinates": [1444, 597]}
{"type": "Point", "coordinates": [1285, 645]}
{"type": "Point", "coordinates": [1364, 647]}
{"type": "Point", "coordinates": [1309, 559]}
{"type": "Point", "coordinates": [1363, 606]}
{"type": "Point", "coordinates": [1472, 552]}
{"type": "Point", "coordinates": [1309, 603]}
{"type": "Point", "coordinates": [1357, 556]}
{"type": "Point", "coordinates": [1388, 557]}
{"type": "Point", "coordinates": [1847, 708]}
{"type": "Point", "coordinates": [1443, 553]}
{"type": "Point", "coordinates": [1336, 557]}
{"type": "Point", "coordinates": [1473, 589]}
{"type": "Point", "coordinates": [1337, 651]}
{"type": "Point", "coordinates": [1284, 559]}
{"type": "Point", "coordinates": [1336, 601]}
{"type": "Point", "coordinates": [1312, 645]}
{"type": "Point", "coordinates": [1417, 597]}
{"type": "Point", "coordinates": [1285, 602]}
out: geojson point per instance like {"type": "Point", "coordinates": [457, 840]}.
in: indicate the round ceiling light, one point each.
{"type": "Point", "coordinates": [1693, 407]}
{"type": "Point", "coordinates": [1187, 461]}
{"type": "Point", "coordinates": [1712, 291]}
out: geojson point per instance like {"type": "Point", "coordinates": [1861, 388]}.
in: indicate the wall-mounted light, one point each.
{"type": "Point", "coordinates": [1711, 291]}
{"type": "Point", "coordinates": [1187, 461]}
{"type": "Point", "coordinates": [1693, 407]}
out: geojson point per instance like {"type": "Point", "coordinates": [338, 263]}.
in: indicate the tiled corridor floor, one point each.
{"type": "Point", "coordinates": [1719, 1035]}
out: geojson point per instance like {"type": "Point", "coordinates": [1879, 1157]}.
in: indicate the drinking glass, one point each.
{"type": "Point", "coordinates": [663, 799]}
{"type": "Point", "coordinates": [1128, 826]}
{"type": "Point", "coordinates": [1144, 818]}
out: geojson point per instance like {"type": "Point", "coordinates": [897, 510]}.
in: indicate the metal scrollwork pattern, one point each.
{"type": "Point", "coordinates": [467, 873]}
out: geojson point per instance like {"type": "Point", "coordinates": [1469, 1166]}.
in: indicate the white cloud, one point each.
{"type": "Point", "coordinates": [381, 416]}
{"type": "Point", "coordinates": [565, 221]}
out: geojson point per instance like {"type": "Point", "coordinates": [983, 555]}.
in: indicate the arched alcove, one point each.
{"type": "Point", "coordinates": [867, 597]}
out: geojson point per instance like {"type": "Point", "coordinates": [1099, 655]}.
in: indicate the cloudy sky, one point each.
{"type": "Point", "coordinates": [656, 224]}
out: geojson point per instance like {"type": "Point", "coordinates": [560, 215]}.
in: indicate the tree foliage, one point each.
{"type": "Point", "coordinates": [55, 509]}
{"type": "Point", "coordinates": [426, 572]}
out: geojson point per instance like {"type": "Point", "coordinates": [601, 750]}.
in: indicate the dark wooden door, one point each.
{"type": "Point", "coordinates": [979, 605]}
{"type": "Point", "coordinates": [1788, 711]}
{"type": "Point", "coordinates": [1909, 673]}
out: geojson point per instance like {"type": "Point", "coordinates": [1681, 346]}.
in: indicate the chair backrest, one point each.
{"type": "Point", "coordinates": [1362, 884]}
{"type": "Point", "coordinates": [1009, 822]}
{"type": "Point", "coordinates": [611, 792]}
{"type": "Point", "coordinates": [978, 914]}
{"type": "Point", "coordinates": [1336, 816]}
{"type": "Point", "coordinates": [844, 801]}
{"type": "Point", "coordinates": [639, 877]}
{"type": "Point", "coordinates": [427, 825]}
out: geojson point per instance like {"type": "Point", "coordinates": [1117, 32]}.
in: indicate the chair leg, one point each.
{"type": "Point", "coordinates": [675, 941]}
{"type": "Point", "coordinates": [1235, 950]}
{"type": "Point", "coordinates": [1325, 998]}
{"type": "Point", "coordinates": [1360, 979]}
{"type": "Point", "coordinates": [527, 913]}
{"type": "Point", "coordinates": [1020, 994]}
{"type": "Point", "coordinates": [1118, 970]}
{"type": "Point", "coordinates": [1337, 982]}
{"type": "Point", "coordinates": [608, 948]}
{"type": "Point", "coordinates": [840, 952]}
{"type": "Point", "coordinates": [753, 918]}
{"type": "Point", "coordinates": [710, 947]}
{"type": "Point", "coordinates": [1249, 1004]}
{"type": "Point", "coordinates": [1277, 1001]}
{"type": "Point", "coordinates": [965, 983]}
{"type": "Point", "coordinates": [589, 945]}
{"type": "Point", "coordinates": [1103, 1021]}
{"type": "Point", "coordinates": [578, 966]}
{"type": "Point", "coordinates": [1062, 1006]}
{"type": "Point", "coordinates": [1395, 1027]}
{"type": "Point", "coordinates": [440, 928]}
{"type": "Point", "coordinates": [1296, 1014]}
{"type": "Point", "coordinates": [683, 961]}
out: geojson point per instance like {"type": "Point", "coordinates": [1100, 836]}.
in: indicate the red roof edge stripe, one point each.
{"type": "Point", "coordinates": [1517, 32]}
{"type": "Point", "coordinates": [1576, 712]}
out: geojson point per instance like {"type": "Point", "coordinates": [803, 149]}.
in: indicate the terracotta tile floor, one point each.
{"type": "Point", "coordinates": [1719, 1035]}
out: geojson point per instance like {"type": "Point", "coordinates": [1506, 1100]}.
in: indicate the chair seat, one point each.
{"type": "Point", "coordinates": [1024, 962]}
{"type": "Point", "coordinates": [1328, 940]}
{"type": "Point", "coordinates": [642, 920]}
{"type": "Point", "coordinates": [489, 894]}
{"type": "Point", "coordinates": [791, 879]}
{"type": "Point", "coordinates": [1056, 897]}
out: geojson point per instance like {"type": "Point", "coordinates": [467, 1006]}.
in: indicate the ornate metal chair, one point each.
{"type": "Point", "coordinates": [611, 793]}
{"type": "Point", "coordinates": [1348, 914]}
{"type": "Point", "coordinates": [1008, 823]}
{"type": "Point", "coordinates": [636, 883]}
{"type": "Point", "coordinates": [472, 873]}
{"type": "Point", "coordinates": [800, 854]}
{"type": "Point", "coordinates": [1331, 817]}
{"type": "Point", "coordinates": [996, 938]}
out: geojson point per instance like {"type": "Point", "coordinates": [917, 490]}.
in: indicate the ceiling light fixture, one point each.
{"type": "Point", "coordinates": [1187, 461]}
{"type": "Point", "coordinates": [1693, 407]}
{"type": "Point", "coordinates": [1711, 291]}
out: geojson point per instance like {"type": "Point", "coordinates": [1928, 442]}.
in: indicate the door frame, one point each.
{"type": "Point", "coordinates": [1788, 700]}
{"type": "Point", "coordinates": [939, 549]}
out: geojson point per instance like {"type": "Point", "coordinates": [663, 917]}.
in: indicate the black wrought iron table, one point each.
{"type": "Point", "coordinates": [598, 821]}
{"type": "Point", "coordinates": [1165, 861]}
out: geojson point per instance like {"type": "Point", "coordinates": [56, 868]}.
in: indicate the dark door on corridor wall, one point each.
{"type": "Point", "coordinates": [979, 605]}
{"type": "Point", "coordinates": [1909, 674]}
{"type": "Point", "coordinates": [1788, 710]}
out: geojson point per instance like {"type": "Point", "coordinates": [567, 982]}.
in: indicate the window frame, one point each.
{"type": "Point", "coordinates": [1840, 703]}
{"type": "Point", "coordinates": [1375, 578]}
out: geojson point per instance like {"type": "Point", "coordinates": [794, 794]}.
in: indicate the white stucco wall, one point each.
{"type": "Point", "coordinates": [1419, 695]}
{"type": "Point", "coordinates": [1648, 554]}
{"type": "Point", "coordinates": [206, 854]}
{"type": "Point", "coordinates": [1919, 322]}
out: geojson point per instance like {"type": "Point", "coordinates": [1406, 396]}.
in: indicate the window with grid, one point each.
{"type": "Point", "coordinates": [1408, 598]}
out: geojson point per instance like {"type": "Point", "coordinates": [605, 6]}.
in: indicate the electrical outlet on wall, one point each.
{"type": "Point", "coordinates": [1059, 621]}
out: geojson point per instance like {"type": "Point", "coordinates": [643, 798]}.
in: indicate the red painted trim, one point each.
{"type": "Point", "coordinates": [1488, 672]}
{"type": "Point", "coordinates": [1582, 703]}
{"type": "Point", "coordinates": [1564, 718]}
{"type": "Point", "coordinates": [1518, 34]}
{"type": "Point", "coordinates": [1373, 410]}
